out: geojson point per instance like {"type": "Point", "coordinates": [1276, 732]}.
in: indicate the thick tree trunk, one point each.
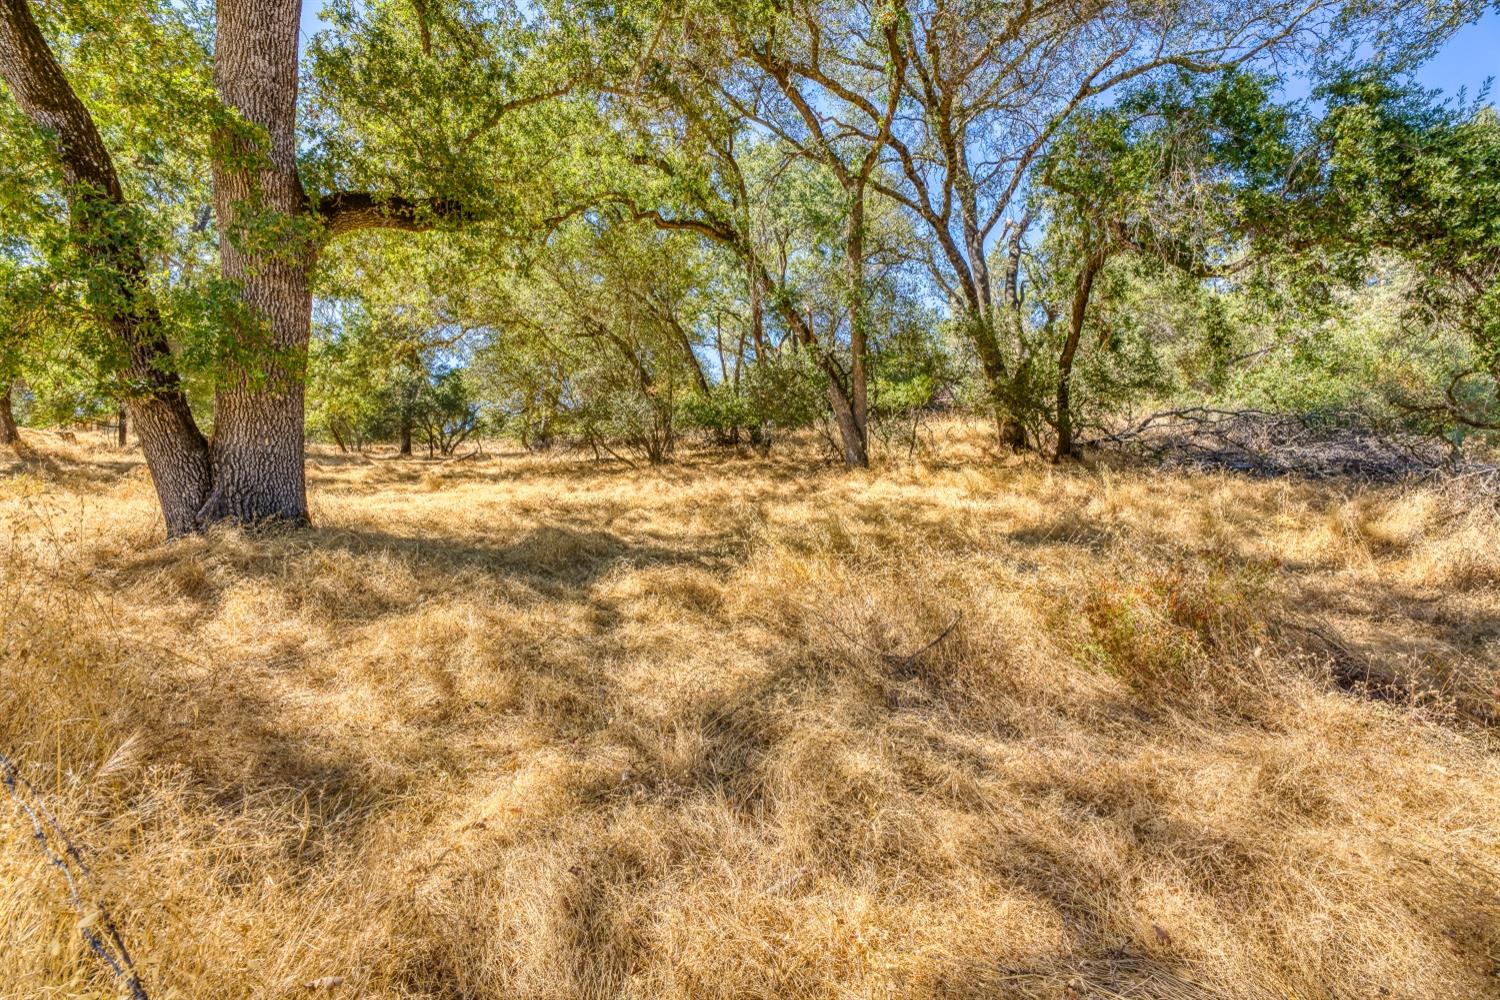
{"type": "Point", "coordinates": [176, 454]}
{"type": "Point", "coordinates": [122, 429]}
{"type": "Point", "coordinates": [268, 239]}
{"type": "Point", "coordinates": [405, 432]}
{"type": "Point", "coordinates": [8, 433]}
{"type": "Point", "coordinates": [266, 247]}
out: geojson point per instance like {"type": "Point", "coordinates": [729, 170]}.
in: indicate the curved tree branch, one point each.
{"type": "Point", "coordinates": [346, 211]}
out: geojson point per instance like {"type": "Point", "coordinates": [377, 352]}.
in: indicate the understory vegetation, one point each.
{"type": "Point", "coordinates": [544, 726]}
{"type": "Point", "coordinates": [620, 225]}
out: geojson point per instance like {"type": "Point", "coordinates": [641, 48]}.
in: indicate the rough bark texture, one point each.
{"type": "Point", "coordinates": [851, 433]}
{"type": "Point", "coordinates": [122, 427]}
{"type": "Point", "coordinates": [8, 433]}
{"type": "Point", "coordinates": [258, 436]}
{"type": "Point", "coordinates": [177, 456]}
{"type": "Point", "coordinates": [268, 238]}
{"type": "Point", "coordinates": [175, 451]}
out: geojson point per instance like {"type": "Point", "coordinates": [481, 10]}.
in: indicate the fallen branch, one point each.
{"type": "Point", "coordinates": [105, 942]}
{"type": "Point", "coordinates": [907, 662]}
{"type": "Point", "coordinates": [455, 459]}
{"type": "Point", "coordinates": [1265, 444]}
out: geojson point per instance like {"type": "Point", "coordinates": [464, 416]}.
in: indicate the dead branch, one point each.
{"type": "Point", "coordinates": [94, 922]}
{"type": "Point", "coordinates": [905, 663]}
{"type": "Point", "coordinates": [1265, 445]}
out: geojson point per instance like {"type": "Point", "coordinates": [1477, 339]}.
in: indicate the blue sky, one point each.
{"type": "Point", "coordinates": [1469, 57]}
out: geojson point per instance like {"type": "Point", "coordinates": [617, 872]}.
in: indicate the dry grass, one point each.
{"type": "Point", "coordinates": [540, 728]}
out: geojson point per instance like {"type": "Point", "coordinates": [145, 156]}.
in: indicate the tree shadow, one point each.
{"type": "Point", "coordinates": [65, 472]}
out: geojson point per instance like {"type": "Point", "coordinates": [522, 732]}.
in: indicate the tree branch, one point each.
{"type": "Point", "coordinates": [346, 211]}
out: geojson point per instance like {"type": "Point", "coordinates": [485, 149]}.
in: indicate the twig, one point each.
{"type": "Point", "coordinates": [905, 663]}
{"type": "Point", "coordinates": [899, 662]}
{"type": "Point", "coordinates": [109, 947]}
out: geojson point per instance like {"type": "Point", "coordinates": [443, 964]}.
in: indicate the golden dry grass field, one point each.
{"type": "Point", "coordinates": [537, 727]}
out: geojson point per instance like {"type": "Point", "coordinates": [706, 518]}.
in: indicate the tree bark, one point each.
{"type": "Point", "coordinates": [757, 312]}
{"type": "Point", "coordinates": [839, 401]}
{"type": "Point", "coordinates": [1009, 431]}
{"type": "Point", "coordinates": [851, 434]}
{"type": "Point", "coordinates": [405, 432]}
{"type": "Point", "coordinates": [266, 248]}
{"type": "Point", "coordinates": [268, 240]}
{"type": "Point", "coordinates": [854, 426]}
{"type": "Point", "coordinates": [176, 454]}
{"type": "Point", "coordinates": [122, 429]}
{"type": "Point", "coordinates": [1082, 290]}
{"type": "Point", "coordinates": [8, 433]}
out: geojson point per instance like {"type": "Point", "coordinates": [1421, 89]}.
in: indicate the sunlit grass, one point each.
{"type": "Point", "coordinates": [540, 727]}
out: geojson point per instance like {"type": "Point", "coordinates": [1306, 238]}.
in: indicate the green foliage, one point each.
{"type": "Point", "coordinates": [360, 384]}
{"type": "Point", "coordinates": [776, 393]}
{"type": "Point", "coordinates": [597, 337]}
{"type": "Point", "coordinates": [643, 232]}
{"type": "Point", "coordinates": [447, 411]}
{"type": "Point", "coordinates": [910, 369]}
{"type": "Point", "coordinates": [371, 379]}
{"type": "Point", "coordinates": [1419, 179]}
{"type": "Point", "coordinates": [1150, 207]}
{"type": "Point", "coordinates": [145, 73]}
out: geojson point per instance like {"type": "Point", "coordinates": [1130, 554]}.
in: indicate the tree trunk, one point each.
{"type": "Point", "coordinates": [1009, 430]}
{"type": "Point", "coordinates": [266, 248]}
{"type": "Point", "coordinates": [802, 330]}
{"type": "Point", "coordinates": [857, 434]}
{"type": "Point", "coordinates": [122, 429]}
{"type": "Point", "coordinates": [405, 432]}
{"type": "Point", "coordinates": [8, 433]}
{"type": "Point", "coordinates": [268, 239]}
{"type": "Point", "coordinates": [851, 434]}
{"type": "Point", "coordinates": [699, 375]}
{"type": "Point", "coordinates": [1012, 434]}
{"type": "Point", "coordinates": [1081, 292]}
{"type": "Point", "coordinates": [757, 313]}
{"type": "Point", "coordinates": [176, 454]}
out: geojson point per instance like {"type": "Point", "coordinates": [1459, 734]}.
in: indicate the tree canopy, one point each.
{"type": "Point", "coordinates": [614, 224]}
